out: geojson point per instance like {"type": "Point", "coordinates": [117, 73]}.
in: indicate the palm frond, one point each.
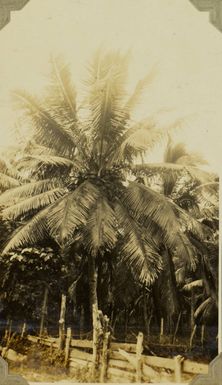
{"type": "Point", "coordinates": [34, 231]}
{"type": "Point", "coordinates": [202, 307]}
{"type": "Point", "coordinates": [33, 203]}
{"type": "Point", "coordinates": [141, 138]}
{"type": "Point", "coordinates": [27, 190]}
{"type": "Point", "coordinates": [61, 92]}
{"type": "Point", "coordinates": [141, 86]}
{"type": "Point", "coordinates": [72, 212]}
{"type": "Point", "coordinates": [101, 229]}
{"type": "Point", "coordinates": [172, 221]}
{"type": "Point", "coordinates": [48, 160]}
{"type": "Point", "coordinates": [193, 284]}
{"type": "Point", "coordinates": [9, 168]}
{"type": "Point", "coordinates": [7, 182]}
{"type": "Point", "coordinates": [47, 130]}
{"type": "Point", "coordinates": [106, 83]}
{"type": "Point", "coordinates": [137, 250]}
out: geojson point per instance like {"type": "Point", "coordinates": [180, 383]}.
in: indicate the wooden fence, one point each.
{"type": "Point", "coordinates": [122, 362]}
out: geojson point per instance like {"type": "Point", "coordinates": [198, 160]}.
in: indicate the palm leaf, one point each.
{"type": "Point", "coordinates": [193, 284]}
{"type": "Point", "coordinates": [101, 227]}
{"type": "Point", "coordinates": [106, 83]}
{"type": "Point", "coordinates": [27, 190]}
{"type": "Point", "coordinates": [72, 212]}
{"type": "Point", "coordinates": [7, 182]}
{"type": "Point", "coordinates": [172, 221]}
{"type": "Point", "coordinates": [47, 130]}
{"type": "Point", "coordinates": [141, 86]}
{"type": "Point", "coordinates": [33, 203]}
{"type": "Point", "coordinates": [34, 231]}
{"type": "Point", "coordinates": [48, 160]}
{"type": "Point", "coordinates": [202, 307]}
{"type": "Point", "coordinates": [61, 92]}
{"type": "Point", "coordinates": [140, 138]}
{"type": "Point", "coordinates": [137, 250]}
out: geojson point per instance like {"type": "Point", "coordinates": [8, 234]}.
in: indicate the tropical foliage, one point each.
{"type": "Point", "coordinates": [83, 192]}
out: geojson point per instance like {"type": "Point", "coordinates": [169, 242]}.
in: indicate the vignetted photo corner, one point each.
{"type": "Point", "coordinates": [110, 122]}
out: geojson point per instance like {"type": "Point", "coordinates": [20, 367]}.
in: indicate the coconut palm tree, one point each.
{"type": "Point", "coordinates": [79, 164]}
{"type": "Point", "coordinates": [194, 190]}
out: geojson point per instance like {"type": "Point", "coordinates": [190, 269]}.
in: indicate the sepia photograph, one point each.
{"type": "Point", "coordinates": [110, 150]}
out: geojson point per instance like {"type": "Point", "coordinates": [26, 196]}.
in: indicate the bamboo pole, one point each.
{"type": "Point", "coordinates": [139, 350]}
{"type": "Point", "coordinates": [67, 345]}
{"type": "Point", "coordinates": [62, 322]}
{"type": "Point", "coordinates": [43, 312]}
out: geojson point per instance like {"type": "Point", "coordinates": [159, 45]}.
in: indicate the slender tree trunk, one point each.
{"type": "Point", "coordinates": [62, 322]}
{"type": "Point", "coordinates": [126, 323]}
{"type": "Point", "coordinates": [192, 310]}
{"type": "Point", "coordinates": [92, 282]}
{"type": "Point", "coordinates": [177, 327]}
{"type": "Point", "coordinates": [145, 312]}
{"type": "Point", "coordinates": [81, 322]}
{"type": "Point", "coordinates": [44, 311]}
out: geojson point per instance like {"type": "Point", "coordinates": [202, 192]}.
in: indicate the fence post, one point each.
{"type": "Point", "coordinates": [104, 357]}
{"type": "Point", "coordinates": [62, 323]}
{"type": "Point", "coordinates": [178, 368]}
{"type": "Point", "coordinates": [67, 346]}
{"type": "Point", "coordinates": [139, 350]}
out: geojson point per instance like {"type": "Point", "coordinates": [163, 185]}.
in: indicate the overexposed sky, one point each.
{"type": "Point", "coordinates": [170, 34]}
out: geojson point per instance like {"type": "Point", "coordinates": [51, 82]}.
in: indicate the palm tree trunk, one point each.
{"type": "Point", "coordinates": [145, 312]}
{"type": "Point", "coordinates": [92, 282]}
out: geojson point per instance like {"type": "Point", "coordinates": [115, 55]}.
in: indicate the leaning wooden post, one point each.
{"type": "Point", "coordinates": [67, 346]}
{"type": "Point", "coordinates": [104, 358]}
{"type": "Point", "coordinates": [62, 323]}
{"type": "Point", "coordinates": [139, 350]}
{"type": "Point", "coordinates": [44, 312]}
{"type": "Point", "coordinates": [178, 368]}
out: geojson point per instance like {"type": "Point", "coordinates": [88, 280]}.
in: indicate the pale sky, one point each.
{"type": "Point", "coordinates": [171, 34]}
